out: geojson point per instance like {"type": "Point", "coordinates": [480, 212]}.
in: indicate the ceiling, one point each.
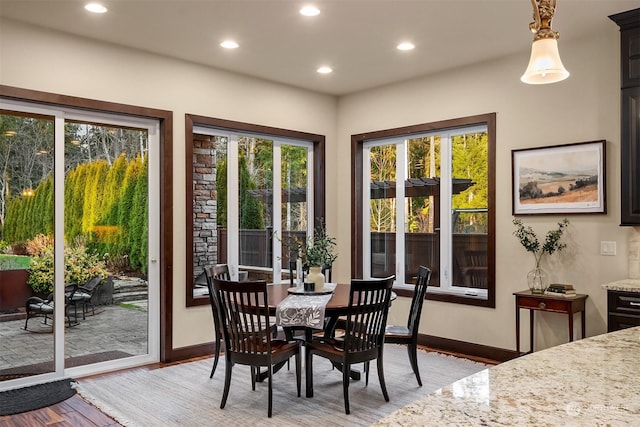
{"type": "Point", "coordinates": [357, 38]}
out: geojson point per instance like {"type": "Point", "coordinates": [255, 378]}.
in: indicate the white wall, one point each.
{"type": "Point", "coordinates": [583, 108]}
{"type": "Point", "coordinates": [48, 61]}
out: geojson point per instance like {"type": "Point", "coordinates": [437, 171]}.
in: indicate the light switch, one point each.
{"type": "Point", "coordinates": [607, 248]}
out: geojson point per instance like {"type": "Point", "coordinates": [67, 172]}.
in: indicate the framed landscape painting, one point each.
{"type": "Point", "coordinates": [561, 179]}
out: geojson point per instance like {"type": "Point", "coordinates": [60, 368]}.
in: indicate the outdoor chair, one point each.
{"type": "Point", "coordinates": [244, 312]}
{"type": "Point", "coordinates": [85, 294]}
{"type": "Point", "coordinates": [363, 340]}
{"type": "Point", "coordinates": [38, 307]}
{"type": "Point", "coordinates": [408, 335]}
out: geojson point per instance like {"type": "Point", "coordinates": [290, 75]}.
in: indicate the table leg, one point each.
{"type": "Point", "coordinates": [517, 328]}
{"type": "Point", "coordinates": [570, 326]}
{"type": "Point", "coordinates": [531, 318]}
{"type": "Point", "coordinates": [584, 321]}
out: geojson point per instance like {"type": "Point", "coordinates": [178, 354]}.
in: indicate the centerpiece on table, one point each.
{"type": "Point", "coordinates": [318, 254]}
{"type": "Point", "coordinates": [538, 278]}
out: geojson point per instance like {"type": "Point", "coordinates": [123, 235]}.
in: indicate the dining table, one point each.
{"type": "Point", "coordinates": [336, 307]}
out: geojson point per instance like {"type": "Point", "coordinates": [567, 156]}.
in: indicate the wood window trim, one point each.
{"type": "Point", "coordinates": [192, 121]}
{"type": "Point", "coordinates": [357, 143]}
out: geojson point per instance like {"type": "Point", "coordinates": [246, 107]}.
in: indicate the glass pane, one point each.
{"type": "Point", "coordinates": [422, 213]}
{"type": "Point", "coordinates": [294, 204]}
{"type": "Point", "coordinates": [209, 206]}
{"type": "Point", "coordinates": [26, 241]}
{"type": "Point", "coordinates": [106, 250]}
{"type": "Point", "coordinates": [470, 206]}
{"type": "Point", "coordinates": [255, 171]}
{"type": "Point", "coordinates": [382, 210]}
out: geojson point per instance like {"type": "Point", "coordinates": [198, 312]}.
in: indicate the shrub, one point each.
{"type": "Point", "coordinates": [80, 266]}
{"type": "Point", "coordinates": [39, 244]}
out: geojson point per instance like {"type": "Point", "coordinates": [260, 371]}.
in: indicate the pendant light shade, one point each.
{"type": "Point", "coordinates": [545, 65]}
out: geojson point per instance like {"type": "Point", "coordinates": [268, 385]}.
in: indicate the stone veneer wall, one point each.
{"type": "Point", "coordinates": [204, 203]}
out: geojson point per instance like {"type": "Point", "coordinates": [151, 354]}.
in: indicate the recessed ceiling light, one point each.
{"type": "Point", "coordinates": [229, 44]}
{"type": "Point", "coordinates": [324, 70]}
{"type": "Point", "coordinates": [310, 11]}
{"type": "Point", "coordinates": [95, 8]}
{"type": "Point", "coordinates": [405, 46]}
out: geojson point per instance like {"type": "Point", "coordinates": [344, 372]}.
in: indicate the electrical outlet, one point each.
{"type": "Point", "coordinates": [607, 248]}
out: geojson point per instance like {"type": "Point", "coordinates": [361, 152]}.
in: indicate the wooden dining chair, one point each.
{"type": "Point", "coordinates": [220, 271]}
{"type": "Point", "coordinates": [365, 321]}
{"type": "Point", "coordinates": [244, 312]}
{"type": "Point", "coordinates": [408, 335]}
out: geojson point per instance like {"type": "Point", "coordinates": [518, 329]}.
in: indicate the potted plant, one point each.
{"type": "Point", "coordinates": [538, 279]}
{"type": "Point", "coordinates": [318, 254]}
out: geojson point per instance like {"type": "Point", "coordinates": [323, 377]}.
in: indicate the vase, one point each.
{"type": "Point", "coordinates": [538, 280]}
{"type": "Point", "coordinates": [315, 275]}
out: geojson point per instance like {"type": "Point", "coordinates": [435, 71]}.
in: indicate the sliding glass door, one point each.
{"type": "Point", "coordinates": [79, 196]}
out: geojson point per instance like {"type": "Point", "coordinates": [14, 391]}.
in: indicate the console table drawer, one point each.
{"type": "Point", "coordinates": [546, 304]}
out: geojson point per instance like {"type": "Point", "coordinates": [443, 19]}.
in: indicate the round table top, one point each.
{"type": "Point", "coordinates": [339, 299]}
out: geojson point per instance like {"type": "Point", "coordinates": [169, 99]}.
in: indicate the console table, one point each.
{"type": "Point", "coordinates": [557, 304]}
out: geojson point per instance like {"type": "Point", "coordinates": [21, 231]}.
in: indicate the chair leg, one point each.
{"type": "Point", "coordinates": [254, 373]}
{"type": "Point", "coordinates": [381, 377]}
{"type": "Point", "coordinates": [298, 371]}
{"type": "Point", "coordinates": [270, 371]}
{"type": "Point", "coordinates": [308, 373]}
{"type": "Point", "coordinates": [227, 382]}
{"type": "Point", "coordinates": [413, 359]}
{"type": "Point", "coordinates": [346, 369]}
{"type": "Point", "coordinates": [366, 373]}
{"type": "Point", "coordinates": [217, 356]}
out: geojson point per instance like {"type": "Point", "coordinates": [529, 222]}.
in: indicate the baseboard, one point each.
{"type": "Point", "coordinates": [465, 348]}
{"type": "Point", "coordinates": [184, 353]}
{"type": "Point", "coordinates": [436, 343]}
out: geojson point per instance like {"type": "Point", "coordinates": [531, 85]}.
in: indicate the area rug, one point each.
{"type": "Point", "coordinates": [35, 397]}
{"type": "Point", "coordinates": [183, 395]}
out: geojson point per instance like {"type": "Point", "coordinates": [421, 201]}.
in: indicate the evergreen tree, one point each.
{"type": "Point", "coordinates": [138, 223]}
{"type": "Point", "coordinates": [126, 206]}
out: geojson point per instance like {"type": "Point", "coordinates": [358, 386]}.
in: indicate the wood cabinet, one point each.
{"type": "Point", "coordinates": [623, 310]}
{"type": "Point", "coordinates": [629, 23]}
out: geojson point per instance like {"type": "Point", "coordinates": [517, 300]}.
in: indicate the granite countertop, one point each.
{"type": "Point", "coordinates": [627, 285]}
{"type": "Point", "coordinates": [594, 382]}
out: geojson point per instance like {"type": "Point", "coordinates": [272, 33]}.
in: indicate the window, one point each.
{"type": "Point", "coordinates": [425, 196]}
{"type": "Point", "coordinates": [233, 172]}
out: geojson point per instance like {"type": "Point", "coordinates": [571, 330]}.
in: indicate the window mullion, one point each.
{"type": "Point", "coordinates": [233, 206]}
{"type": "Point", "coordinates": [446, 253]}
{"type": "Point", "coordinates": [401, 176]}
{"type": "Point", "coordinates": [277, 211]}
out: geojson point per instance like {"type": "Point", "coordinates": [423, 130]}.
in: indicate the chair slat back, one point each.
{"type": "Point", "coordinates": [221, 271]}
{"type": "Point", "coordinates": [422, 281]}
{"type": "Point", "coordinates": [245, 315]}
{"type": "Point", "coordinates": [92, 283]}
{"type": "Point", "coordinates": [367, 314]}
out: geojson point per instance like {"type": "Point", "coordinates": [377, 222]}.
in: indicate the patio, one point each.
{"type": "Point", "coordinates": [115, 331]}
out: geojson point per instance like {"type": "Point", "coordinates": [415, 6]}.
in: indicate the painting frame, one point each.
{"type": "Point", "coordinates": [560, 179]}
